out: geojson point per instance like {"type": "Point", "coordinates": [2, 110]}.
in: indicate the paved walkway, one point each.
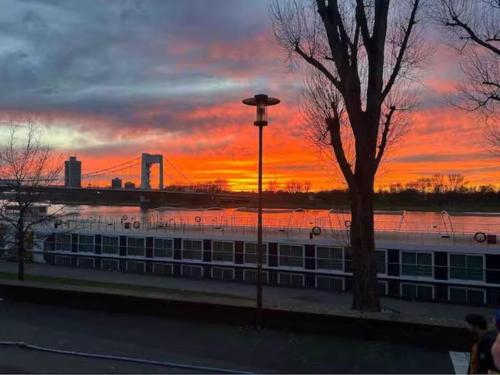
{"type": "Point", "coordinates": [191, 342]}
{"type": "Point", "coordinates": [310, 300]}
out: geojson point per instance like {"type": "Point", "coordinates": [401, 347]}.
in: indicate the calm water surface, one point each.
{"type": "Point", "coordinates": [285, 218]}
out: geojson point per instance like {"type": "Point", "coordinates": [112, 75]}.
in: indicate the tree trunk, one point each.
{"type": "Point", "coordinates": [362, 236]}
{"type": "Point", "coordinates": [20, 257]}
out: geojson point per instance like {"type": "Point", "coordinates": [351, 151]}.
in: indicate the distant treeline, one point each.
{"type": "Point", "coordinates": [439, 192]}
{"type": "Point", "coordinates": [483, 198]}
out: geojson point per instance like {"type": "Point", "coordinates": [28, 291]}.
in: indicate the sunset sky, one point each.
{"type": "Point", "coordinates": [108, 80]}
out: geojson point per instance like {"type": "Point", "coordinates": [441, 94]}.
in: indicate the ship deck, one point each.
{"type": "Point", "coordinates": [401, 239]}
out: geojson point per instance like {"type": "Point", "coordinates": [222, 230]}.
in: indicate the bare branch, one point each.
{"type": "Point", "coordinates": [362, 21]}
{"type": "Point", "coordinates": [455, 21]}
{"type": "Point", "coordinates": [333, 125]}
{"type": "Point", "coordinates": [385, 134]}
{"type": "Point", "coordinates": [475, 28]}
{"type": "Point", "coordinates": [311, 60]}
{"type": "Point", "coordinates": [402, 50]}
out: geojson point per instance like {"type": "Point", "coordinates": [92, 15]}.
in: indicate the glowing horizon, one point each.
{"type": "Point", "coordinates": [150, 77]}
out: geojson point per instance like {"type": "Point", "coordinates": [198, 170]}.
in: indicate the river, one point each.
{"type": "Point", "coordinates": [285, 218]}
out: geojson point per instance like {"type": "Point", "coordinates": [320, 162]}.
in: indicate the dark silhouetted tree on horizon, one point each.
{"type": "Point", "coordinates": [272, 186]}
{"type": "Point", "coordinates": [358, 58]}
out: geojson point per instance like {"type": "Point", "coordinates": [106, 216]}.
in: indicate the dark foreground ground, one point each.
{"type": "Point", "coordinates": [196, 343]}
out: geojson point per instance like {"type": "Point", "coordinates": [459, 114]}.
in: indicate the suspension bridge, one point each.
{"type": "Point", "coordinates": [95, 186]}
{"type": "Point", "coordinates": [136, 171]}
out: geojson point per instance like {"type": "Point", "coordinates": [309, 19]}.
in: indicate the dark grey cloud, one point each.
{"type": "Point", "coordinates": [113, 59]}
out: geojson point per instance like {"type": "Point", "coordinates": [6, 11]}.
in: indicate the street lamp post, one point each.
{"type": "Point", "coordinates": [261, 102]}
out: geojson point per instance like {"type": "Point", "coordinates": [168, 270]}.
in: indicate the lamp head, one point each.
{"type": "Point", "coordinates": [261, 102]}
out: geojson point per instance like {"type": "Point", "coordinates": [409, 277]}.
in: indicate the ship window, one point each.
{"type": "Point", "coordinates": [162, 269]}
{"type": "Point", "coordinates": [348, 259]}
{"type": "Point", "coordinates": [291, 256]}
{"type": "Point", "coordinates": [416, 264]}
{"type": "Point", "coordinates": [466, 267]}
{"type": "Point", "coordinates": [63, 242]}
{"type": "Point", "coordinates": [330, 258]}
{"type": "Point", "coordinates": [331, 283]}
{"type": "Point", "coordinates": [85, 262]}
{"type": "Point", "coordinates": [251, 253]}
{"type": "Point", "coordinates": [135, 246]}
{"type": "Point", "coordinates": [466, 295]}
{"type": "Point", "coordinates": [62, 260]}
{"type": "Point", "coordinates": [48, 244]}
{"type": "Point", "coordinates": [191, 249]}
{"type": "Point", "coordinates": [86, 243]}
{"type": "Point", "coordinates": [382, 287]}
{"type": "Point", "coordinates": [109, 245]}
{"type": "Point", "coordinates": [223, 251]}
{"type": "Point", "coordinates": [110, 264]}
{"type": "Point", "coordinates": [163, 248]}
{"type": "Point", "coordinates": [225, 274]}
{"type": "Point", "coordinates": [135, 267]}
{"type": "Point", "coordinates": [381, 262]}
{"type": "Point", "coordinates": [251, 276]}
{"type": "Point", "coordinates": [192, 271]}
{"type": "Point", "coordinates": [291, 279]}
{"type": "Point", "coordinates": [416, 291]}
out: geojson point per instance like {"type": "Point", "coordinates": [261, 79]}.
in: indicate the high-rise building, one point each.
{"type": "Point", "coordinates": [73, 172]}
{"type": "Point", "coordinates": [116, 183]}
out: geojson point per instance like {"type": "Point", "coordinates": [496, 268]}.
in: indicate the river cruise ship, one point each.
{"type": "Point", "coordinates": [444, 260]}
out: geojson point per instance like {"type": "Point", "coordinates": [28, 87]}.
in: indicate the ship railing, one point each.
{"type": "Point", "coordinates": [234, 227]}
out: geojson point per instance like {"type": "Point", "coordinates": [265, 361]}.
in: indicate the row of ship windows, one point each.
{"type": "Point", "coordinates": [412, 263]}
{"type": "Point", "coordinates": [407, 290]}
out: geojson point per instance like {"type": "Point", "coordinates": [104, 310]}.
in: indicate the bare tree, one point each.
{"type": "Point", "coordinates": [221, 185]}
{"type": "Point", "coordinates": [423, 184]}
{"type": "Point", "coordinates": [293, 186]}
{"type": "Point", "coordinates": [216, 186]}
{"type": "Point", "coordinates": [358, 57]}
{"type": "Point", "coordinates": [456, 182]}
{"type": "Point", "coordinates": [306, 186]}
{"type": "Point", "coordinates": [395, 188]}
{"type": "Point", "coordinates": [273, 186]}
{"type": "Point", "coordinates": [475, 30]}
{"type": "Point", "coordinates": [438, 183]}
{"type": "Point", "coordinates": [26, 165]}
{"type": "Point", "coordinates": [412, 186]}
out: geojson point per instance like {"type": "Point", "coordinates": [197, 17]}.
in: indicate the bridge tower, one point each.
{"type": "Point", "coordinates": [146, 161]}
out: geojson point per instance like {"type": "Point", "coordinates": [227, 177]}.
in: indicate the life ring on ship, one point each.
{"type": "Point", "coordinates": [197, 219]}
{"type": "Point", "coordinates": [347, 223]}
{"type": "Point", "coordinates": [316, 231]}
{"type": "Point", "coordinates": [124, 217]}
{"type": "Point", "coordinates": [480, 237]}
{"type": "Point", "coordinates": [136, 225]}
